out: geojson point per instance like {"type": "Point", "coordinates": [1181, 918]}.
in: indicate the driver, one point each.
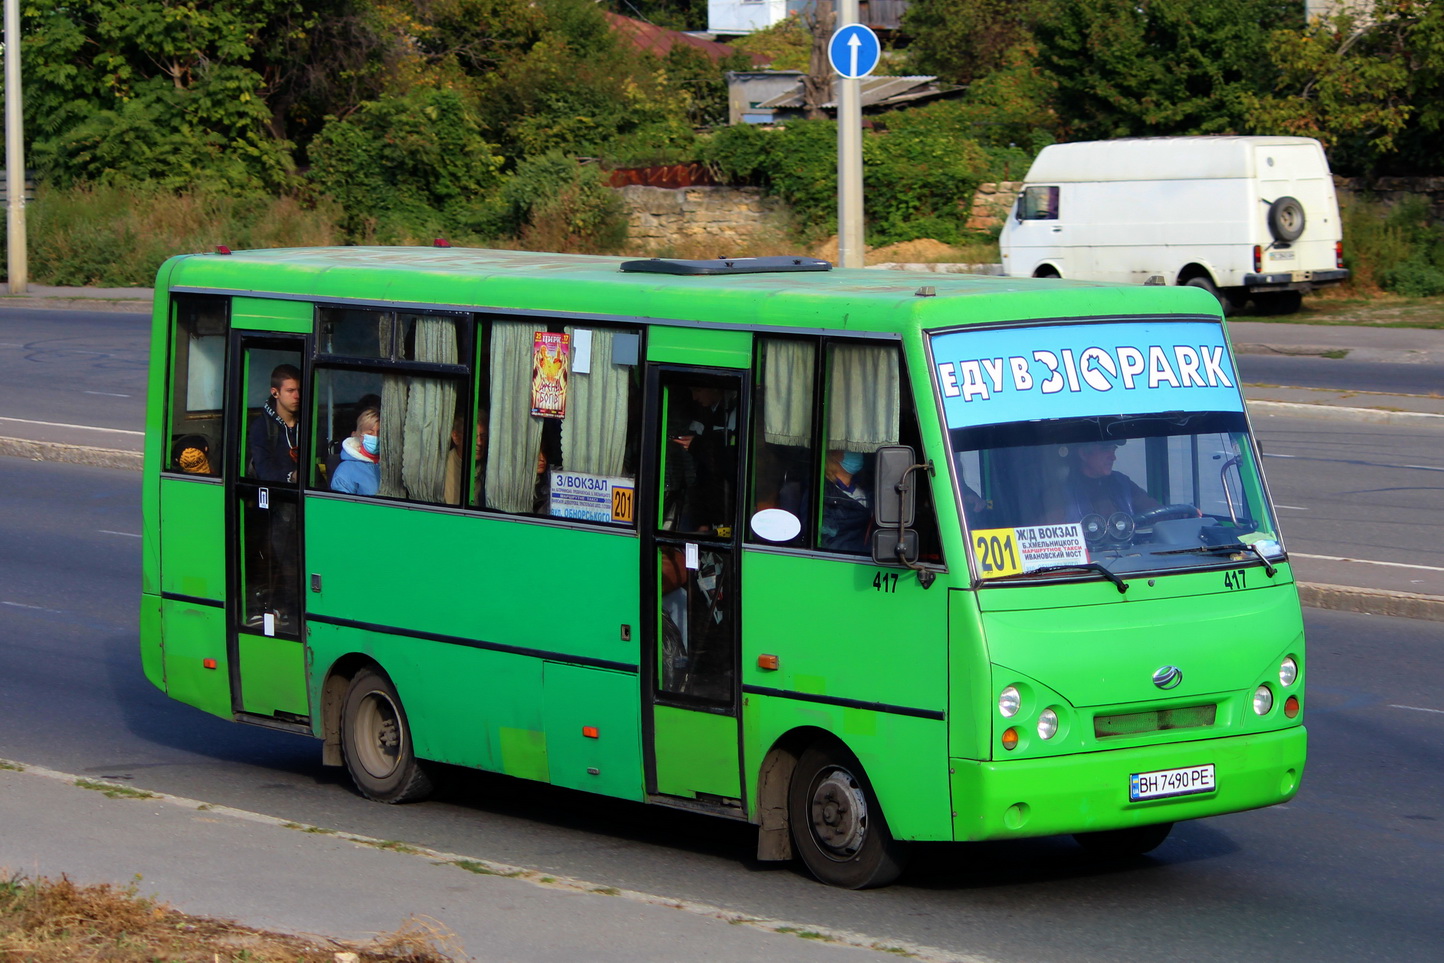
{"type": "Point", "coordinates": [1093, 487]}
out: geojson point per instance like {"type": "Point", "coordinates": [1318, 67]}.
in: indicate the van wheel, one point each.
{"type": "Point", "coordinates": [1225, 302]}
{"type": "Point", "coordinates": [1133, 841]}
{"type": "Point", "coordinates": [837, 825]}
{"type": "Point", "coordinates": [1286, 219]}
{"type": "Point", "coordinates": [1046, 272]}
{"type": "Point", "coordinates": [376, 742]}
{"type": "Point", "coordinates": [1278, 302]}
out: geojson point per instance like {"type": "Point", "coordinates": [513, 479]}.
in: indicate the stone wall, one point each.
{"type": "Point", "coordinates": [728, 214]}
{"type": "Point", "coordinates": [991, 205]}
{"type": "Point", "coordinates": [1391, 190]}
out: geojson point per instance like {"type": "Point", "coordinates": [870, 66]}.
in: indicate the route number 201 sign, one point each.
{"type": "Point", "coordinates": [1012, 551]}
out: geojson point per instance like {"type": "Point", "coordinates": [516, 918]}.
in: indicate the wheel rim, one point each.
{"type": "Point", "coordinates": [839, 813]}
{"type": "Point", "coordinates": [377, 732]}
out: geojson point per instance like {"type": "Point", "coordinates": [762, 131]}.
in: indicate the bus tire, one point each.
{"type": "Point", "coordinates": [837, 825]}
{"type": "Point", "coordinates": [1133, 841]}
{"type": "Point", "coordinates": [376, 742]}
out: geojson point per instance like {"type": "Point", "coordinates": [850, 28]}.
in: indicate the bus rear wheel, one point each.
{"type": "Point", "coordinates": [376, 741]}
{"type": "Point", "coordinates": [837, 825]}
{"type": "Point", "coordinates": [1133, 841]}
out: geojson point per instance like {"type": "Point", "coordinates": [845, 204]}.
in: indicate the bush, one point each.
{"type": "Point", "coordinates": [118, 234]}
{"type": "Point", "coordinates": [1393, 249]}
{"type": "Point", "coordinates": [553, 203]}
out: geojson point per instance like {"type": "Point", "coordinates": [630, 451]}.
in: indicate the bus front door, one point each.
{"type": "Point", "coordinates": [693, 736]}
{"type": "Point", "coordinates": [267, 665]}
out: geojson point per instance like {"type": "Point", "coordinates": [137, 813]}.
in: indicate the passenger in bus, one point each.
{"type": "Point", "coordinates": [710, 441]}
{"type": "Point", "coordinates": [275, 435]}
{"type": "Point", "coordinates": [359, 471]}
{"type": "Point", "coordinates": [1093, 487]}
{"type": "Point", "coordinates": [846, 502]}
{"type": "Point", "coordinates": [191, 454]}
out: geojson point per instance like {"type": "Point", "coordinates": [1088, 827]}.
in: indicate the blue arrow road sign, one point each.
{"type": "Point", "coordinates": [854, 50]}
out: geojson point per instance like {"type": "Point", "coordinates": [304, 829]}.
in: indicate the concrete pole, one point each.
{"type": "Point", "coordinates": [14, 154]}
{"type": "Point", "coordinates": [849, 157]}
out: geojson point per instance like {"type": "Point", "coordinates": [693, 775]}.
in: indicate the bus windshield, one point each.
{"type": "Point", "coordinates": [1119, 446]}
{"type": "Point", "coordinates": [1136, 493]}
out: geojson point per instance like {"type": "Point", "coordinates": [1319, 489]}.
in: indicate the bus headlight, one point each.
{"type": "Point", "coordinates": [1263, 700]}
{"type": "Point", "coordinates": [1047, 724]}
{"type": "Point", "coordinates": [1009, 702]}
{"type": "Point", "coordinates": [1288, 672]}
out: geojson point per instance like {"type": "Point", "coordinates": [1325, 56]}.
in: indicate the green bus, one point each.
{"type": "Point", "coordinates": [860, 557]}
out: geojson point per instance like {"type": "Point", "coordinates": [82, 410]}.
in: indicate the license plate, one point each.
{"type": "Point", "coordinates": [1163, 783]}
{"type": "Point", "coordinates": [1281, 255]}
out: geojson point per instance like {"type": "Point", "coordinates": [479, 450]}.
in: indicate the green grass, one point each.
{"type": "Point", "coordinates": [114, 792]}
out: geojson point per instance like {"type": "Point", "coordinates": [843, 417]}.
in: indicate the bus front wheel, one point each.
{"type": "Point", "coordinates": [837, 825]}
{"type": "Point", "coordinates": [376, 742]}
{"type": "Point", "coordinates": [1133, 841]}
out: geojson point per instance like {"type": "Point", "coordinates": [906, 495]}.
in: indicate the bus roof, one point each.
{"type": "Point", "coordinates": [596, 288]}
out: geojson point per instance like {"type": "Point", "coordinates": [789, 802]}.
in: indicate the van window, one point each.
{"type": "Point", "coordinates": [1038, 204]}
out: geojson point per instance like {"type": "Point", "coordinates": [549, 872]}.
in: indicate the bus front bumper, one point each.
{"type": "Point", "coordinates": [1088, 792]}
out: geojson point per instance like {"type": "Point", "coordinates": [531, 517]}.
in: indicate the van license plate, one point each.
{"type": "Point", "coordinates": [1171, 782]}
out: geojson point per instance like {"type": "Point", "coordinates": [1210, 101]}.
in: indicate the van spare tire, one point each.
{"type": "Point", "coordinates": [1286, 219]}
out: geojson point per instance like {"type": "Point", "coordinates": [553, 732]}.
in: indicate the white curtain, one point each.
{"type": "Point", "coordinates": [787, 368]}
{"type": "Point", "coordinates": [594, 434]}
{"type": "Point", "coordinates": [864, 405]}
{"type": "Point", "coordinates": [513, 437]}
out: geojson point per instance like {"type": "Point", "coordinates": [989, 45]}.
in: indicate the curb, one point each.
{"type": "Point", "coordinates": [74, 454]}
{"type": "Point", "coordinates": [1373, 416]}
{"type": "Point", "coordinates": [1346, 598]}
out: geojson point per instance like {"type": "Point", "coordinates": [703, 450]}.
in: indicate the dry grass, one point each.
{"type": "Point", "coordinates": [58, 921]}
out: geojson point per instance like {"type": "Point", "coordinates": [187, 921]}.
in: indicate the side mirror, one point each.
{"type": "Point", "coordinates": [894, 500]}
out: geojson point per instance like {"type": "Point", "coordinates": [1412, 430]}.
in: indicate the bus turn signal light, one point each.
{"type": "Point", "coordinates": [209, 663]}
{"type": "Point", "coordinates": [1291, 707]}
{"type": "Point", "coordinates": [590, 732]}
{"type": "Point", "coordinates": [768, 662]}
{"type": "Point", "coordinates": [1010, 738]}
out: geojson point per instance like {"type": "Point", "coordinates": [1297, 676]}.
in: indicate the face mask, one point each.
{"type": "Point", "coordinates": [370, 443]}
{"type": "Point", "coordinates": [852, 462]}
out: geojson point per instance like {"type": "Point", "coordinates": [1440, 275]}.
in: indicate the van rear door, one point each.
{"type": "Point", "coordinates": [1296, 171]}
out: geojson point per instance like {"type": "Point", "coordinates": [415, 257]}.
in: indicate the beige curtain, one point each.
{"type": "Point", "coordinates": [513, 436]}
{"type": "Point", "coordinates": [864, 405]}
{"type": "Point", "coordinates": [787, 370]}
{"type": "Point", "coordinates": [416, 414]}
{"type": "Point", "coordinates": [594, 434]}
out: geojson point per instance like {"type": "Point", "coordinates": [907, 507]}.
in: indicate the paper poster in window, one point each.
{"type": "Point", "coordinates": [550, 354]}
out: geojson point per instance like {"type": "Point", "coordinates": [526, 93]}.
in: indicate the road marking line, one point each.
{"type": "Point", "coordinates": [33, 608]}
{"type": "Point", "coordinates": [107, 394]}
{"type": "Point", "coordinates": [60, 424]}
{"type": "Point", "coordinates": [106, 531]}
{"type": "Point", "coordinates": [1367, 561]}
{"type": "Point", "coordinates": [1419, 709]}
{"type": "Point", "coordinates": [1293, 508]}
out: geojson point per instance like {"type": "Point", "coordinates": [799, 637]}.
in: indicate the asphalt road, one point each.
{"type": "Point", "coordinates": [1347, 871]}
{"type": "Point", "coordinates": [1317, 372]}
{"type": "Point", "coordinates": [74, 367]}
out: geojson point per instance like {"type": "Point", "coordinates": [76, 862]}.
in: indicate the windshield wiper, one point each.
{"type": "Point", "coordinates": [1084, 566]}
{"type": "Point", "coordinates": [1269, 568]}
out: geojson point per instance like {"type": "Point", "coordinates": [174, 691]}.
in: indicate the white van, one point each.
{"type": "Point", "coordinates": [1243, 217]}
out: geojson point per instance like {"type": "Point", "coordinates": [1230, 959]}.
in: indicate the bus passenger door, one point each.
{"type": "Point", "coordinates": [691, 571]}
{"type": "Point", "coordinates": [267, 664]}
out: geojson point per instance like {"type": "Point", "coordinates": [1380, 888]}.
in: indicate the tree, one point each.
{"type": "Point", "coordinates": [960, 41]}
{"type": "Point", "coordinates": [1127, 68]}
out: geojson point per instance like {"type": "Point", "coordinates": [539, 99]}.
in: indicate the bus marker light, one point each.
{"type": "Point", "coordinates": [441, 242]}
{"type": "Point", "coordinates": [1291, 707]}
{"type": "Point", "coordinates": [222, 249]}
{"type": "Point", "coordinates": [768, 662]}
{"type": "Point", "coordinates": [209, 663]}
{"type": "Point", "coordinates": [1010, 738]}
{"type": "Point", "coordinates": [590, 732]}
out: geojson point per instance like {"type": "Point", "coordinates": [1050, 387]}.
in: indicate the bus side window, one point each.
{"type": "Point", "coordinates": [197, 430]}
{"type": "Point", "coordinates": [782, 473]}
{"type": "Point", "coordinates": [562, 410]}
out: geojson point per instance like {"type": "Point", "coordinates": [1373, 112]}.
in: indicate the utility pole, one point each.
{"type": "Point", "coordinates": [854, 52]}
{"type": "Point", "coordinates": [14, 154]}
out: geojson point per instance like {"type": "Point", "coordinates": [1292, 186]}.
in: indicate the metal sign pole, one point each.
{"type": "Point", "coordinates": [14, 154]}
{"type": "Point", "coordinates": [849, 153]}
